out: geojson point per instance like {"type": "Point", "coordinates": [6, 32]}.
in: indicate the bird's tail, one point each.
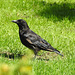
{"type": "Point", "coordinates": [51, 49]}
{"type": "Point", "coordinates": [58, 52]}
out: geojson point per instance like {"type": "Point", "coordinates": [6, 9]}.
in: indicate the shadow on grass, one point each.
{"type": "Point", "coordinates": [58, 11]}
{"type": "Point", "coordinates": [43, 59]}
{"type": "Point", "coordinates": [13, 56]}
{"type": "Point", "coordinates": [10, 55]}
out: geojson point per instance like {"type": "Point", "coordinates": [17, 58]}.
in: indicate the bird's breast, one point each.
{"type": "Point", "coordinates": [25, 42]}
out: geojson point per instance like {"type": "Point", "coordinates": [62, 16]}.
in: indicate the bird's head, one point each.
{"type": "Point", "coordinates": [21, 23]}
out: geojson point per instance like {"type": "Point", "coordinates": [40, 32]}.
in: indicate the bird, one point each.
{"type": "Point", "coordinates": [31, 40]}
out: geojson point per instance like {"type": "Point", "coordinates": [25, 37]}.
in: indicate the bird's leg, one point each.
{"type": "Point", "coordinates": [35, 57]}
{"type": "Point", "coordinates": [35, 52]}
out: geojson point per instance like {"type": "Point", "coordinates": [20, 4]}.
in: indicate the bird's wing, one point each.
{"type": "Point", "coordinates": [42, 44]}
{"type": "Point", "coordinates": [36, 40]}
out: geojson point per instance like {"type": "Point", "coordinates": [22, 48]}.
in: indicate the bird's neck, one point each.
{"type": "Point", "coordinates": [23, 27]}
{"type": "Point", "coordinates": [23, 30]}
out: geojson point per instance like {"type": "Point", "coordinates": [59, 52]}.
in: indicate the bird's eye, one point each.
{"type": "Point", "coordinates": [21, 21]}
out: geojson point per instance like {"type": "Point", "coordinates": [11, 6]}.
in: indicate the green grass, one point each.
{"type": "Point", "coordinates": [53, 20]}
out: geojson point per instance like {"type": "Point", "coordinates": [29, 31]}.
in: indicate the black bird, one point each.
{"type": "Point", "coordinates": [32, 40]}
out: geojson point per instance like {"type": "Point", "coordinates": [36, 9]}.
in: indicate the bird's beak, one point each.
{"type": "Point", "coordinates": [15, 21]}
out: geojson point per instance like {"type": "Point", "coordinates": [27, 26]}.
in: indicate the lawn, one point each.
{"type": "Point", "coordinates": [53, 20]}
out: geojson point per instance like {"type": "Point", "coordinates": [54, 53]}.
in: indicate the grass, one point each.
{"type": "Point", "coordinates": [52, 20]}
